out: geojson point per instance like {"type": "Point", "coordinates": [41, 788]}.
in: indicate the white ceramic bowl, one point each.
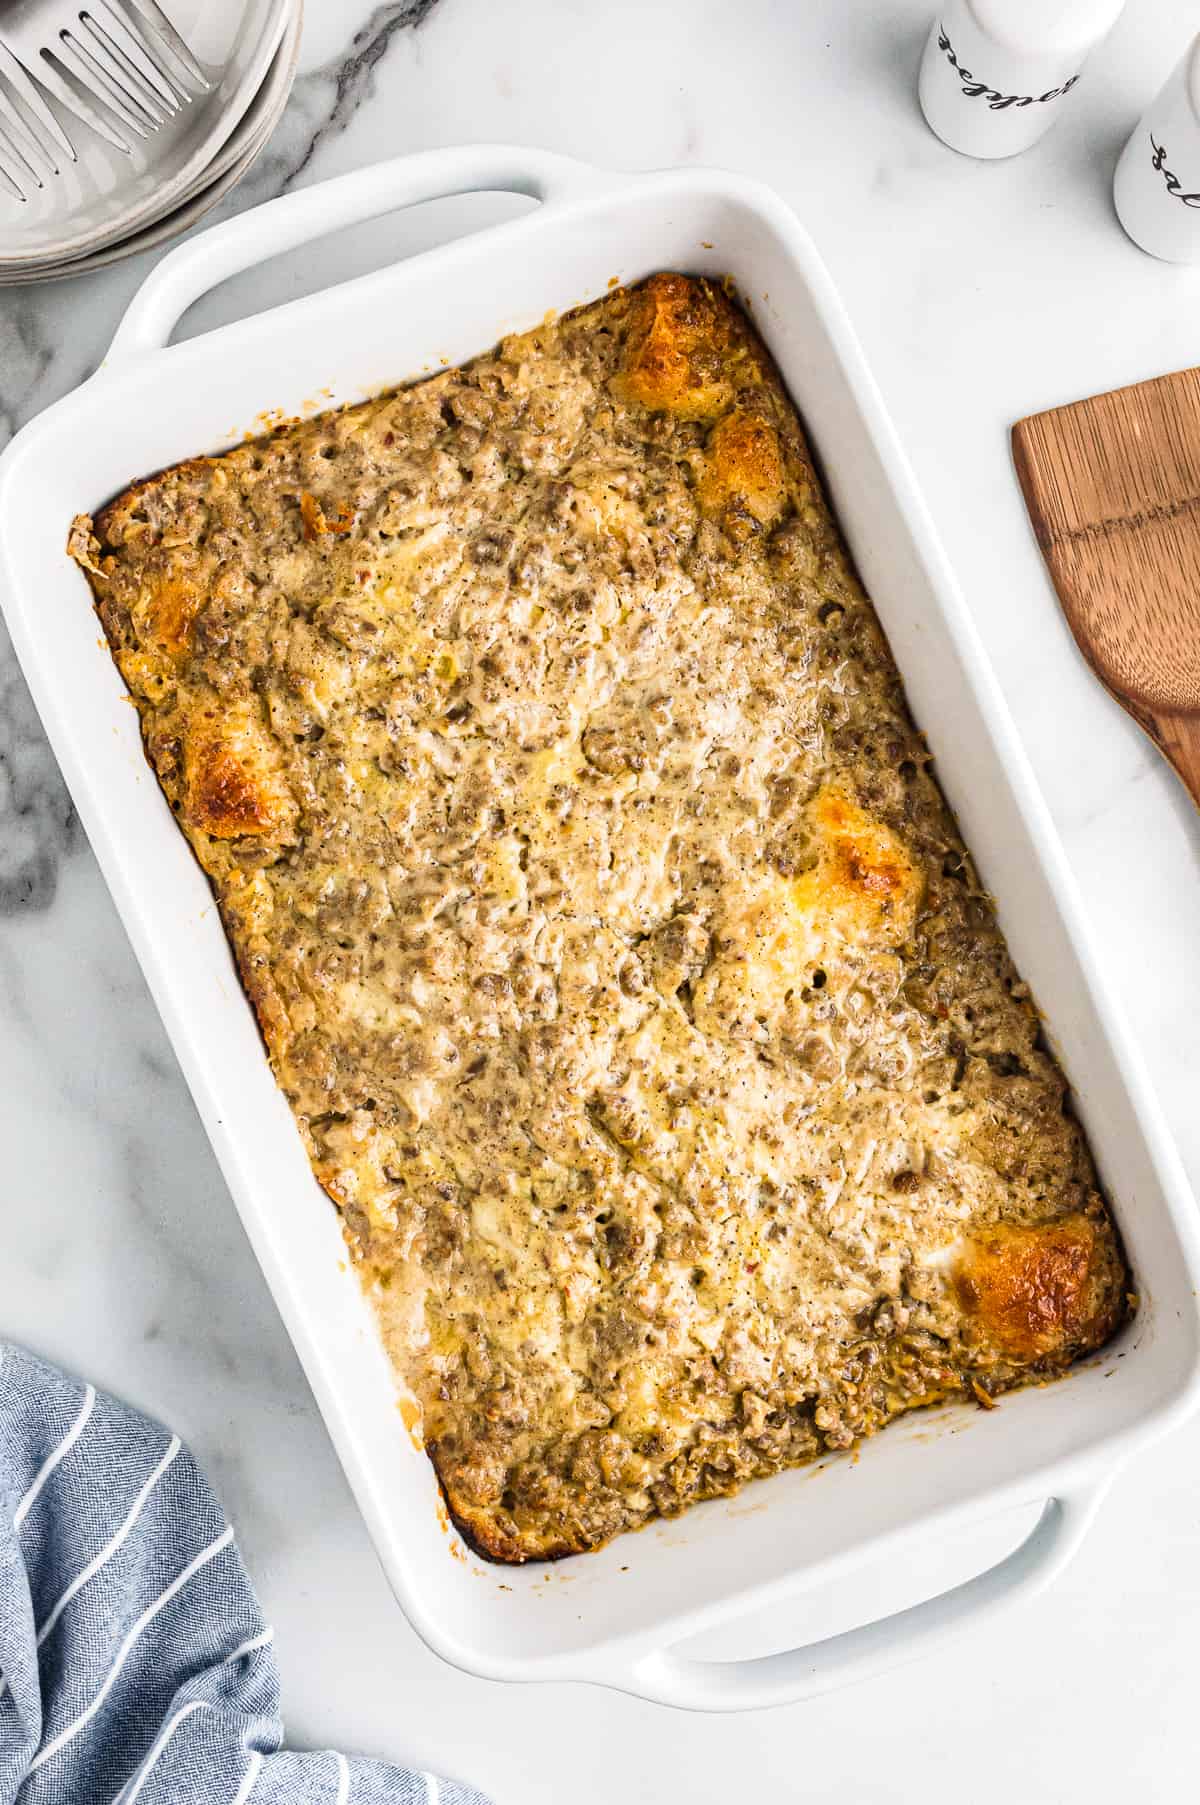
{"type": "Point", "coordinates": [614, 1616]}
{"type": "Point", "coordinates": [107, 195]}
{"type": "Point", "coordinates": [236, 157]}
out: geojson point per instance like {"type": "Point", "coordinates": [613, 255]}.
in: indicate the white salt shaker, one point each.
{"type": "Point", "coordinates": [1157, 185]}
{"type": "Point", "coordinates": [996, 72]}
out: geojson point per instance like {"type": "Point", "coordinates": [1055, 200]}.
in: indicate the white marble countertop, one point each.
{"type": "Point", "coordinates": [981, 292]}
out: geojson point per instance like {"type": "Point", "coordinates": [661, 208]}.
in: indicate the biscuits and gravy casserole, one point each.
{"type": "Point", "coordinates": [638, 1002]}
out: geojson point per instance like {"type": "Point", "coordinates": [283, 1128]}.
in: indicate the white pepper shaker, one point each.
{"type": "Point", "coordinates": [996, 72]}
{"type": "Point", "coordinates": [1157, 185]}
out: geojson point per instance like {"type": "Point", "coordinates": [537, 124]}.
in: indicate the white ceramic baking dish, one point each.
{"type": "Point", "coordinates": [617, 1619]}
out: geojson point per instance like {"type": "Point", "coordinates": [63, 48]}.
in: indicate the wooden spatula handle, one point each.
{"type": "Point", "coordinates": [1112, 485]}
{"type": "Point", "coordinates": [1178, 736]}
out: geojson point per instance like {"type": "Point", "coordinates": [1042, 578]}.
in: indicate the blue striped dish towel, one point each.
{"type": "Point", "coordinates": [135, 1666]}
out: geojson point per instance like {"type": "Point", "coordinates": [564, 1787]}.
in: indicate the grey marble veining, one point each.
{"type": "Point", "coordinates": [979, 294]}
{"type": "Point", "coordinates": [25, 356]}
{"type": "Point", "coordinates": [37, 822]}
{"type": "Point", "coordinates": [326, 98]}
{"type": "Point", "coordinates": [38, 826]}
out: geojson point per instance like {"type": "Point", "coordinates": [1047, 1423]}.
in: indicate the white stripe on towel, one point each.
{"type": "Point", "coordinates": [160, 1742]}
{"type": "Point", "coordinates": [249, 1645]}
{"type": "Point", "coordinates": [110, 1548]}
{"type": "Point", "coordinates": [51, 1461]}
{"type": "Point", "coordinates": [433, 1791]}
{"type": "Point", "coordinates": [251, 1775]}
{"type": "Point", "coordinates": [85, 1717]}
{"type": "Point", "coordinates": [343, 1791]}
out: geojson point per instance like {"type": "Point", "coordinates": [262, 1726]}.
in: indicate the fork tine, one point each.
{"type": "Point", "coordinates": [50, 74]}
{"type": "Point", "coordinates": [18, 77]}
{"type": "Point", "coordinates": [23, 140]}
{"type": "Point", "coordinates": [6, 180]}
{"type": "Point", "coordinates": [136, 54]}
{"type": "Point", "coordinates": [79, 62]}
{"type": "Point", "coordinates": [12, 145]}
{"type": "Point", "coordinates": [158, 21]}
{"type": "Point", "coordinates": [138, 96]}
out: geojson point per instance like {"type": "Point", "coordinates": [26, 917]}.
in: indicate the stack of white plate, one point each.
{"type": "Point", "coordinates": [109, 204]}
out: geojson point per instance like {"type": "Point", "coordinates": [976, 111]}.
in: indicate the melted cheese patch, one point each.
{"type": "Point", "coordinates": [233, 774]}
{"type": "Point", "coordinates": [743, 469]}
{"type": "Point", "coordinates": [865, 886]}
{"type": "Point", "coordinates": [1028, 1289]}
{"type": "Point", "coordinates": [782, 935]}
{"type": "Point", "coordinates": [172, 604]}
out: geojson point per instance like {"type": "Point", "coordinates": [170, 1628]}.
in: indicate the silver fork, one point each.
{"type": "Point", "coordinates": [27, 151]}
{"type": "Point", "coordinates": [125, 54]}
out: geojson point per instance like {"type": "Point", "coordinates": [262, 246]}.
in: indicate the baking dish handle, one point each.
{"type": "Point", "coordinates": [800, 1673]}
{"type": "Point", "coordinates": [294, 219]}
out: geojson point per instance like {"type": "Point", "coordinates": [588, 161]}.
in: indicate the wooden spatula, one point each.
{"type": "Point", "coordinates": [1112, 485]}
